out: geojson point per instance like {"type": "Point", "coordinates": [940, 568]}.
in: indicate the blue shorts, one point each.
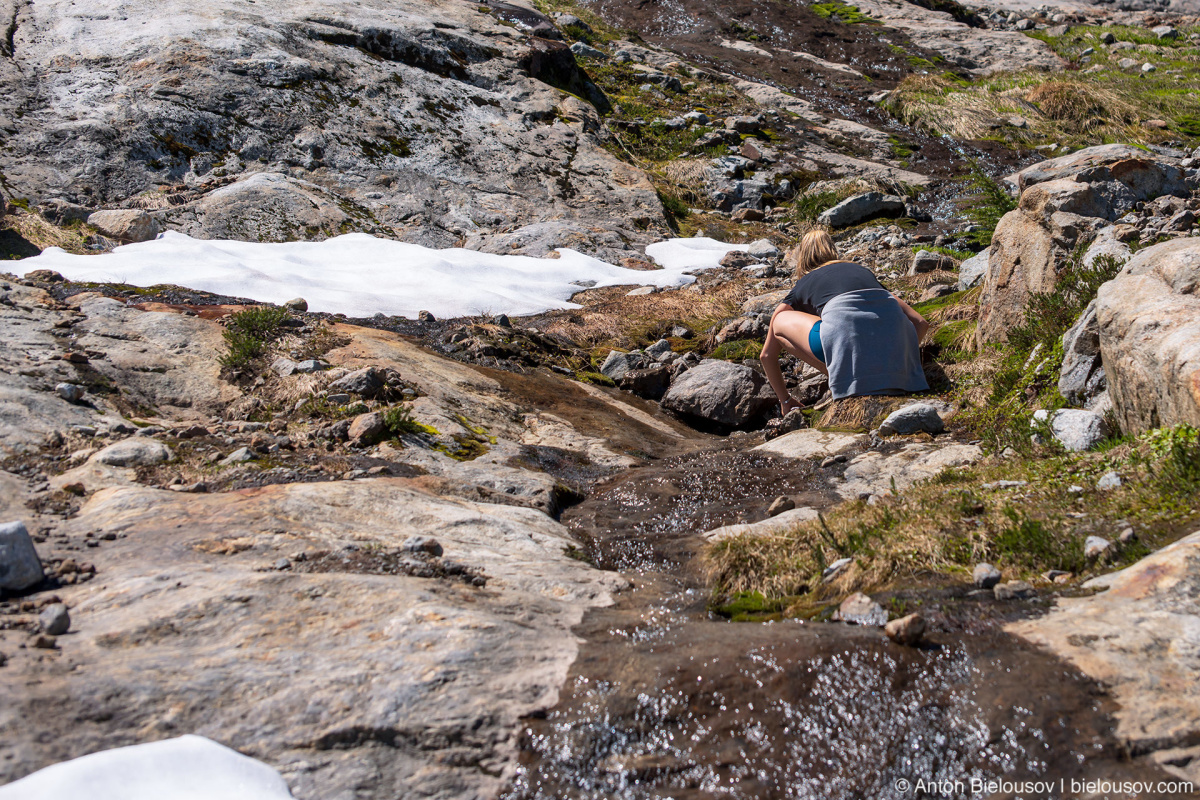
{"type": "Point", "coordinates": [814, 342]}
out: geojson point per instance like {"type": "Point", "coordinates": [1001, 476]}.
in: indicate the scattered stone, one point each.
{"type": "Point", "coordinates": [192, 432]}
{"type": "Point", "coordinates": [841, 458]}
{"type": "Point", "coordinates": [297, 305]}
{"type": "Point", "coordinates": [239, 456]}
{"type": "Point", "coordinates": [617, 363]}
{"type": "Point", "coordinates": [1127, 63]}
{"type": "Point", "coordinates": [648, 382]}
{"type": "Point", "coordinates": [503, 321]}
{"type": "Point", "coordinates": [859, 207]}
{"type": "Point", "coordinates": [368, 383]}
{"type": "Point", "coordinates": [836, 568]}
{"type": "Point", "coordinates": [794, 420]}
{"type": "Point", "coordinates": [45, 276]}
{"type": "Point", "coordinates": [859, 609]}
{"type": "Point", "coordinates": [422, 544]}
{"type": "Point", "coordinates": [1127, 536]}
{"type": "Point", "coordinates": [763, 248]}
{"type": "Point", "coordinates": [985, 576]}
{"type": "Point", "coordinates": [1165, 32]}
{"type": "Point", "coordinates": [1025, 25]}
{"type": "Point", "coordinates": [54, 619]}
{"type": "Point", "coordinates": [338, 399]}
{"type": "Point", "coordinates": [1013, 590]}
{"type": "Point", "coordinates": [1075, 429]}
{"type": "Point", "coordinates": [367, 428]}
{"type": "Point", "coordinates": [642, 291]}
{"type": "Point", "coordinates": [1095, 547]}
{"type": "Point", "coordinates": [70, 392]}
{"type": "Point", "coordinates": [971, 271]}
{"type": "Point", "coordinates": [283, 367]}
{"type": "Point", "coordinates": [1108, 38]}
{"type": "Point", "coordinates": [681, 332]}
{"type": "Point", "coordinates": [658, 348]}
{"type": "Point", "coordinates": [915, 418]}
{"type": "Point", "coordinates": [1108, 481]}
{"type": "Point", "coordinates": [1148, 67]}
{"type": "Point", "coordinates": [582, 50]}
{"type": "Point", "coordinates": [44, 642]}
{"type": "Point", "coordinates": [1003, 484]}
{"type": "Point", "coordinates": [928, 261]}
{"type": "Point", "coordinates": [135, 452]}
{"type": "Point", "coordinates": [907, 631]}
{"type": "Point", "coordinates": [780, 504]}
{"type": "Point", "coordinates": [310, 365]}
{"type": "Point", "coordinates": [75, 357]}
{"type": "Point", "coordinates": [747, 215]}
{"type": "Point", "coordinates": [20, 566]}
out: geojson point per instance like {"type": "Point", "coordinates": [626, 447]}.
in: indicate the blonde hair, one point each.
{"type": "Point", "coordinates": [816, 249]}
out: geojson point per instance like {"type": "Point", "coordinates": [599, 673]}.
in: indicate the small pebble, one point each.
{"type": "Point", "coordinates": [422, 544]}
{"type": "Point", "coordinates": [54, 619]}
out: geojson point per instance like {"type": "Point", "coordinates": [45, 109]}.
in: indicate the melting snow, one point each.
{"type": "Point", "coordinates": [187, 768]}
{"type": "Point", "coordinates": [360, 275]}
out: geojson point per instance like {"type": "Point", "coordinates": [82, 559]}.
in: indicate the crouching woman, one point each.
{"type": "Point", "coordinates": [840, 320]}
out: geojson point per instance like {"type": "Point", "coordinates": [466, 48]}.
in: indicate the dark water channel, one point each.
{"type": "Point", "coordinates": [669, 701]}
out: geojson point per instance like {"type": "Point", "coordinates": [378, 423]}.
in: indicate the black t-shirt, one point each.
{"type": "Point", "coordinates": [818, 287]}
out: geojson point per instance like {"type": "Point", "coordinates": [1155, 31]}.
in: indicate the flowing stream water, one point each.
{"type": "Point", "coordinates": [667, 700]}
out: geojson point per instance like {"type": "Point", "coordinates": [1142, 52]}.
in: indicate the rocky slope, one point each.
{"type": "Point", "coordinates": [348, 553]}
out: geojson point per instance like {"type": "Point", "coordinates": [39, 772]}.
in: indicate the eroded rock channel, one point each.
{"type": "Point", "coordinates": [667, 699]}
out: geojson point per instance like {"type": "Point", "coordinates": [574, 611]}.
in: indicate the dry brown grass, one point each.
{"type": "Point", "coordinates": [948, 524]}
{"type": "Point", "coordinates": [43, 234]}
{"type": "Point", "coordinates": [610, 319]}
{"type": "Point", "coordinates": [1081, 110]}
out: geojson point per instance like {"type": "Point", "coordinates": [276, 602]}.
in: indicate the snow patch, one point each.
{"type": "Point", "coordinates": [187, 768]}
{"type": "Point", "coordinates": [360, 275]}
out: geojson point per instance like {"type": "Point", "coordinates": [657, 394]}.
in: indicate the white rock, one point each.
{"type": "Point", "coordinates": [985, 576]}
{"type": "Point", "coordinates": [1109, 480]}
{"type": "Point", "coordinates": [1075, 429]}
{"type": "Point", "coordinates": [1096, 546]}
{"type": "Point", "coordinates": [913, 418]}
{"type": "Point", "coordinates": [812, 443]}
{"type": "Point", "coordinates": [762, 248]}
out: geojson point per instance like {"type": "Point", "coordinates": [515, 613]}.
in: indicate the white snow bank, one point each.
{"type": "Point", "coordinates": [694, 254]}
{"type": "Point", "coordinates": [187, 768]}
{"type": "Point", "coordinates": [360, 275]}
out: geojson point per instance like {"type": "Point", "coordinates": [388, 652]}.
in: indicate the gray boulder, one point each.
{"type": "Point", "coordinates": [763, 248]}
{"type": "Point", "coordinates": [125, 225]}
{"type": "Point", "coordinates": [650, 382]}
{"type": "Point", "coordinates": [583, 50]}
{"type": "Point", "coordinates": [1075, 429]}
{"type": "Point", "coordinates": [859, 207]}
{"type": "Point", "coordinates": [915, 418]}
{"type": "Point", "coordinates": [719, 392]}
{"type": "Point", "coordinates": [927, 261]}
{"type": "Point", "coordinates": [135, 452]}
{"type": "Point", "coordinates": [971, 271]}
{"type": "Point", "coordinates": [368, 383]}
{"type": "Point", "coordinates": [1082, 375]}
{"type": "Point", "coordinates": [20, 566]}
{"type": "Point", "coordinates": [618, 363]}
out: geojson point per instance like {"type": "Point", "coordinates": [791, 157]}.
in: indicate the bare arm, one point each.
{"type": "Point", "coordinates": [770, 361]}
{"type": "Point", "coordinates": [916, 319]}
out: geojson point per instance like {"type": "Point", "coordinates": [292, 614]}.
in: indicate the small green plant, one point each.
{"type": "Point", "coordinates": [249, 333]}
{"type": "Point", "coordinates": [987, 205]}
{"type": "Point", "coordinates": [841, 12]}
{"type": "Point", "coordinates": [738, 350]}
{"type": "Point", "coordinates": [399, 421]}
{"type": "Point", "coordinates": [1178, 450]}
{"type": "Point", "coordinates": [1032, 542]}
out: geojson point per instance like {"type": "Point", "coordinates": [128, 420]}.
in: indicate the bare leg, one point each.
{"type": "Point", "coordinates": [789, 331]}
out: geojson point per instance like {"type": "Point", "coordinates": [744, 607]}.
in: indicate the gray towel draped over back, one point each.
{"type": "Point", "coordinates": [870, 346]}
